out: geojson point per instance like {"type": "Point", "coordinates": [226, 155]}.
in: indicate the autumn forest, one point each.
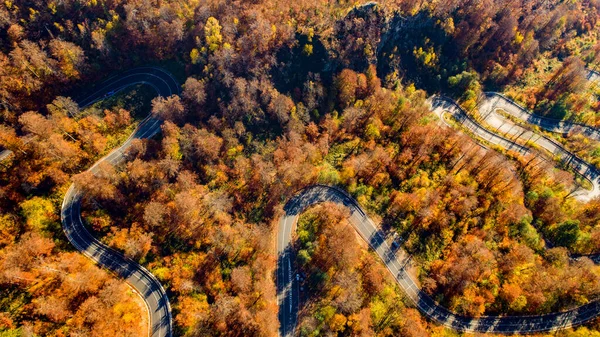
{"type": "Point", "coordinates": [166, 144]}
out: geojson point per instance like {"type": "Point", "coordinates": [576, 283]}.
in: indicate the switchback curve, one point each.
{"type": "Point", "coordinates": [138, 277]}
{"type": "Point", "coordinates": [500, 101]}
{"type": "Point", "coordinates": [441, 105]}
{"type": "Point", "coordinates": [394, 260]}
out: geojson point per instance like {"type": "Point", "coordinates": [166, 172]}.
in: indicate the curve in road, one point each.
{"type": "Point", "coordinates": [287, 284]}
{"type": "Point", "coordinates": [138, 277]}
{"type": "Point", "coordinates": [395, 259]}
{"type": "Point", "coordinates": [441, 105]}
{"type": "Point", "coordinates": [488, 111]}
{"type": "Point", "coordinates": [514, 109]}
{"type": "Point", "coordinates": [499, 101]}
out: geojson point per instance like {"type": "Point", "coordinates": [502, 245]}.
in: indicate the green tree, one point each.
{"type": "Point", "coordinates": [567, 233]}
{"type": "Point", "coordinates": [39, 213]}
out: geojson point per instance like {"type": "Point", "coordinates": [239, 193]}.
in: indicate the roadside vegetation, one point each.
{"type": "Point", "coordinates": [344, 289]}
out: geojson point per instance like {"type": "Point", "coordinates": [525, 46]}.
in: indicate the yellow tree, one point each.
{"type": "Point", "coordinates": [70, 57]}
{"type": "Point", "coordinates": [212, 34]}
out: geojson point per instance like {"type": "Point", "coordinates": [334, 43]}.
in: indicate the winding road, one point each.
{"type": "Point", "coordinates": [138, 277]}
{"type": "Point", "coordinates": [441, 105]}
{"type": "Point", "coordinates": [395, 259]}
{"type": "Point", "coordinates": [499, 101]}
{"type": "Point", "coordinates": [155, 297]}
{"type": "Point", "coordinates": [488, 110]}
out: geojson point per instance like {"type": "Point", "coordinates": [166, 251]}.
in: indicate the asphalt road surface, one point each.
{"type": "Point", "coordinates": [157, 78]}
{"type": "Point", "coordinates": [499, 101]}
{"type": "Point", "coordinates": [395, 259]}
{"type": "Point", "coordinates": [138, 277]}
{"type": "Point", "coordinates": [488, 109]}
{"type": "Point", "coordinates": [442, 105]}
